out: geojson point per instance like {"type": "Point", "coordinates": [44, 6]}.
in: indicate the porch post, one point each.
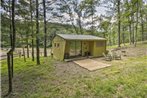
{"type": "Point", "coordinates": [81, 48]}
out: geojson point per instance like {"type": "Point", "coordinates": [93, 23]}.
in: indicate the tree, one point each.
{"type": "Point", "coordinates": [137, 9]}
{"type": "Point", "coordinates": [10, 52]}
{"type": "Point", "coordinates": [119, 22]}
{"type": "Point", "coordinates": [128, 15]}
{"type": "Point", "coordinates": [89, 7]}
{"type": "Point", "coordinates": [142, 22]}
{"type": "Point", "coordinates": [67, 8]}
{"type": "Point", "coordinates": [37, 34]}
{"type": "Point", "coordinates": [22, 11]}
{"type": "Point", "coordinates": [74, 9]}
{"type": "Point", "coordinates": [31, 9]}
{"type": "Point", "coordinates": [78, 8]}
{"type": "Point", "coordinates": [104, 26]}
{"type": "Point", "coordinates": [45, 29]}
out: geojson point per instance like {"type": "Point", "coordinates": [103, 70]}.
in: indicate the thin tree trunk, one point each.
{"type": "Point", "coordinates": [104, 34]}
{"type": "Point", "coordinates": [33, 46]}
{"type": "Point", "coordinates": [146, 26]}
{"type": "Point", "coordinates": [37, 35]}
{"type": "Point", "coordinates": [75, 28]}
{"type": "Point", "coordinates": [136, 24]}
{"type": "Point", "coordinates": [123, 36]}
{"type": "Point", "coordinates": [142, 25]}
{"type": "Point", "coordinates": [12, 64]}
{"type": "Point", "coordinates": [132, 19]}
{"type": "Point", "coordinates": [24, 55]}
{"type": "Point", "coordinates": [11, 42]}
{"type": "Point", "coordinates": [130, 32]}
{"type": "Point", "coordinates": [118, 22]}
{"type": "Point", "coordinates": [92, 27]}
{"type": "Point", "coordinates": [129, 20]}
{"type": "Point", "coordinates": [32, 31]}
{"type": "Point", "coordinates": [27, 45]}
{"type": "Point", "coordinates": [10, 52]}
{"type": "Point", "coordinates": [79, 22]}
{"type": "Point", "coordinates": [9, 72]}
{"type": "Point", "coordinates": [45, 29]}
{"type": "Point", "coordinates": [72, 20]}
{"type": "Point", "coordinates": [113, 39]}
{"type": "Point", "coordinates": [110, 35]}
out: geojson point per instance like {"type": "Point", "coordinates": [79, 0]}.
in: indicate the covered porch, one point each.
{"type": "Point", "coordinates": [78, 49]}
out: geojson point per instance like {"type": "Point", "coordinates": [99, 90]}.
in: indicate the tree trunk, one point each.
{"type": "Point", "coordinates": [142, 24]}
{"type": "Point", "coordinates": [45, 29]}
{"type": "Point", "coordinates": [9, 72]}
{"type": "Point", "coordinates": [109, 38]}
{"type": "Point", "coordinates": [79, 22]}
{"type": "Point", "coordinates": [27, 45]}
{"type": "Point", "coordinates": [130, 32]}
{"type": "Point", "coordinates": [11, 42]}
{"type": "Point", "coordinates": [118, 2]}
{"type": "Point", "coordinates": [32, 31]}
{"type": "Point", "coordinates": [123, 36]}
{"type": "Point", "coordinates": [104, 35]}
{"type": "Point", "coordinates": [12, 65]}
{"type": "Point", "coordinates": [113, 39]}
{"type": "Point", "coordinates": [129, 20]}
{"type": "Point", "coordinates": [132, 19]}
{"type": "Point", "coordinates": [92, 18]}
{"type": "Point", "coordinates": [37, 35]}
{"type": "Point", "coordinates": [136, 24]}
{"type": "Point", "coordinates": [10, 52]}
{"type": "Point", "coordinates": [146, 27]}
{"type": "Point", "coordinates": [24, 55]}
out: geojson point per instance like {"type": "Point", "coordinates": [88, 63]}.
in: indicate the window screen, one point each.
{"type": "Point", "coordinates": [100, 44]}
{"type": "Point", "coordinates": [54, 44]}
{"type": "Point", "coordinates": [58, 44]}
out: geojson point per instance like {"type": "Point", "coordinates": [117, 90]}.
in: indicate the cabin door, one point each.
{"type": "Point", "coordinates": [85, 48]}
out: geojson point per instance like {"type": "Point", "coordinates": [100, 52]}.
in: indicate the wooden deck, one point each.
{"type": "Point", "coordinates": [90, 64]}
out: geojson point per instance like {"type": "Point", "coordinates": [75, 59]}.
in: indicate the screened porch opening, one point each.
{"type": "Point", "coordinates": [75, 48]}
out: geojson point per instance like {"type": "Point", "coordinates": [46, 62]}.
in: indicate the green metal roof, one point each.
{"type": "Point", "coordinates": [80, 37]}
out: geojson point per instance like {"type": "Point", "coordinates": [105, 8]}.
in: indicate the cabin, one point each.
{"type": "Point", "coordinates": [68, 46]}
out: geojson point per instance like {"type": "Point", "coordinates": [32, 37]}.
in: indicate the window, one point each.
{"type": "Point", "coordinates": [100, 44]}
{"type": "Point", "coordinates": [58, 44]}
{"type": "Point", "coordinates": [54, 44]}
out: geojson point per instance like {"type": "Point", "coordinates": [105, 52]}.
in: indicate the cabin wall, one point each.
{"type": "Point", "coordinates": [58, 47]}
{"type": "Point", "coordinates": [99, 48]}
{"type": "Point", "coordinates": [67, 47]}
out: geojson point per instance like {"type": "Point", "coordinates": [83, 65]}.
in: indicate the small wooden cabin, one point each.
{"type": "Point", "coordinates": [67, 46]}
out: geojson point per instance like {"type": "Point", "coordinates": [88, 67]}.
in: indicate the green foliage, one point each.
{"type": "Point", "coordinates": [73, 17]}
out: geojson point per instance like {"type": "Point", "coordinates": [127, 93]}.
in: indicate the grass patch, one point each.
{"type": "Point", "coordinates": [28, 77]}
{"type": "Point", "coordinates": [124, 79]}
